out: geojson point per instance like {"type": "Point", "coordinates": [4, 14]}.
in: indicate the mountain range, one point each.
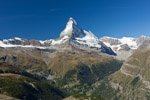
{"type": "Point", "coordinates": [72, 35]}
{"type": "Point", "coordinates": [77, 65]}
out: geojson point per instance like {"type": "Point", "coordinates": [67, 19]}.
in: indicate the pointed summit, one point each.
{"type": "Point", "coordinates": [71, 20]}
{"type": "Point", "coordinates": [72, 29]}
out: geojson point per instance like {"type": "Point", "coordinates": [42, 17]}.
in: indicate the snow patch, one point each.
{"type": "Point", "coordinates": [17, 38]}
{"type": "Point", "coordinates": [110, 37]}
{"type": "Point", "coordinates": [89, 39]}
{"type": "Point", "coordinates": [5, 44]}
{"type": "Point", "coordinates": [62, 40]}
{"type": "Point", "coordinates": [129, 41]}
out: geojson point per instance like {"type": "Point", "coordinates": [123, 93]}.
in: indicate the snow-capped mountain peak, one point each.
{"type": "Point", "coordinates": [72, 21]}
{"type": "Point", "coordinates": [79, 35]}
{"type": "Point", "coordinates": [75, 36]}
{"type": "Point", "coordinates": [72, 29]}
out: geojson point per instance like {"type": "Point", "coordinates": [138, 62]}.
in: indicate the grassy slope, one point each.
{"type": "Point", "coordinates": [79, 71]}
{"type": "Point", "coordinates": [20, 85]}
{"type": "Point", "coordinates": [66, 61]}
{"type": "Point", "coordinates": [32, 62]}
{"type": "Point", "coordinates": [83, 97]}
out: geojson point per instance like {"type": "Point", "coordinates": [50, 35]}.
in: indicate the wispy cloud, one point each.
{"type": "Point", "coordinates": [12, 17]}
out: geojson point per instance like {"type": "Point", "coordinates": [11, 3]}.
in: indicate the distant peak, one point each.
{"type": "Point", "coordinates": [17, 38]}
{"type": "Point", "coordinates": [71, 18]}
{"type": "Point", "coordinates": [143, 36]}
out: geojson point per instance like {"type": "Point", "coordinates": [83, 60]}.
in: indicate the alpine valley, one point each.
{"type": "Point", "coordinates": [75, 66]}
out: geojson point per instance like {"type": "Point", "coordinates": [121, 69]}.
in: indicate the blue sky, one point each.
{"type": "Point", "coordinates": [45, 19]}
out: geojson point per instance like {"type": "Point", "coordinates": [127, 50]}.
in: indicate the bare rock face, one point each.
{"type": "Point", "coordinates": [111, 41]}
{"type": "Point", "coordinates": [124, 47]}
{"type": "Point", "coordinates": [141, 39]}
{"type": "Point", "coordinates": [31, 42]}
{"type": "Point", "coordinates": [145, 44]}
